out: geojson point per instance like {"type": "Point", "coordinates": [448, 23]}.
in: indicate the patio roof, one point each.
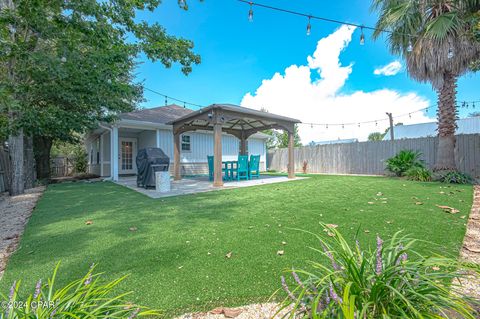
{"type": "Point", "coordinates": [235, 120]}
{"type": "Point", "coordinates": [239, 121]}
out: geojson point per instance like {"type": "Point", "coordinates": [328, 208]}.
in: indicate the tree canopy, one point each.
{"type": "Point", "coordinates": [68, 64]}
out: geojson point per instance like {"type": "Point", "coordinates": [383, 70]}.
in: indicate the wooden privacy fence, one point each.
{"type": "Point", "coordinates": [61, 166]}
{"type": "Point", "coordinates": [369, 157]}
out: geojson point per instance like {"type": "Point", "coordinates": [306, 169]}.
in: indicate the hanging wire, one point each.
{"type": "Point", "coordinates": [318, 17]}
{"type": "Point", "coordinates": [173, 99]}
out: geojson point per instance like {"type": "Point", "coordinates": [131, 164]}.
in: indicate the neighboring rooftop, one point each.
{"type": "Point", "coordinates": [469, 125]}
{"type": "Point", "coordinates": [161, 114]}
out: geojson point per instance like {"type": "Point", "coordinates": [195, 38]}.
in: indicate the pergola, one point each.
{"type": "Point", "coordinates": [238, 121]}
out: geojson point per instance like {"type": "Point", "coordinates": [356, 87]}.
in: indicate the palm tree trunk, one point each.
{"type": "Point", "coordinates": [447, 117]}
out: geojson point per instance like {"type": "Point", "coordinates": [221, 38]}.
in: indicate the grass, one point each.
{"type": "Point", "coordinates": [176, 257]}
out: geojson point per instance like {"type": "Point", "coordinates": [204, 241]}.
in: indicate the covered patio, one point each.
{"type": "Point", "coordinates": [198, 184]}
{"type": "Point", "coordinates": [238, 121]}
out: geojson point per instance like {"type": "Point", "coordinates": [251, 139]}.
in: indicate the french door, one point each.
{"type": "Point", "coordinates": [127, 153]}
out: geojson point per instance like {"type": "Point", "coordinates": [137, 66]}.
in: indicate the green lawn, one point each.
{"type": "Point", "coordinates": [176, 257]}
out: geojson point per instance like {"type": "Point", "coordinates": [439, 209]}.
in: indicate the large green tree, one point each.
{"type": "Point", "coordinates": [433, 36]}
{"type": "Point", "coordinates": [68, 64]}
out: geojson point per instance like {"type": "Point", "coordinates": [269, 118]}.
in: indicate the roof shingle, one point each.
{"type": "Point", "coordinates": [161, 114]}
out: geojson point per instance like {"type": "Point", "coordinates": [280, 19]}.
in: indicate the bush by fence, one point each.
{"type": "Point", "coordinates": [369, 157]}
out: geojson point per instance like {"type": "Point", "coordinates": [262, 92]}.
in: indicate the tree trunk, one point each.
{"type": "Point", "coordinates": [42, 147]}
{"type": "Point", "coordinates": [447, 117]}
{"type": "Point", "coordinates": [29, 162]}
{"type": "Point", "coordinates": [15, 147]}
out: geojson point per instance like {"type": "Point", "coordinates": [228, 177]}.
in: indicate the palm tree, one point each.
{"type": "Point", "coordinates": [433, 38]}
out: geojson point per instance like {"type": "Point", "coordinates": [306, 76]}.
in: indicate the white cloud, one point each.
{"type": "Point", "coordinates": [294, 93]}
{"type": "Point", "coordinates": [390, 69]}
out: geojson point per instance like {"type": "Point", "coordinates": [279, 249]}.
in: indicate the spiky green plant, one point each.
{"type": "Point", "coordinates": [420, 174]}
{"type": "Point", "coordinates": [392, 281]}
{"type": "Point", "coordinates": [403, 161]}
{"type": "Point", "coordinates": [87, 297]}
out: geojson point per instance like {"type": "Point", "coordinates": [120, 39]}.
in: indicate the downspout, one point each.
{"type": "Point", "coordinates": [111, 149]}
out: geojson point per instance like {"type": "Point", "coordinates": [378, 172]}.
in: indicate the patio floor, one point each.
{"type": "Point", "coordinates": [192, 185]}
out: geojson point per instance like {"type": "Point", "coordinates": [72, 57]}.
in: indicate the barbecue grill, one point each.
{"type": "Point", "coordinates": [150, 160]}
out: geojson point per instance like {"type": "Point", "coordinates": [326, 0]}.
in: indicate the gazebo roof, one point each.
{"type": "Point", "coordinates": [234, 119]}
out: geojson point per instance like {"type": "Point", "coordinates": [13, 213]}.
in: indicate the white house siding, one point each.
{"type": "Point", "coordinates": [192, 162]}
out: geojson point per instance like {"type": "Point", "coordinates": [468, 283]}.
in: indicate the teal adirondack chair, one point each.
{"type": "Point", "coordinates": [210, 169]}
{"type": "Point", "coordinates": [242, 167]}
{"type": "Point", "coordinates": [254, 167]}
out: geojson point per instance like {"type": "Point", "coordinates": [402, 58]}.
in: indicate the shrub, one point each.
{"type": "Point", "coordinates": [88, 297]}
{"type": "Point", "coordinates": [454, 177]}
{"type": "Point", "coordinates": [420, 174]}
{"type": "Point", "coordinates": [403, 161]}
{"type": "Point", "coordinates": [384, 283]}
{"type": "Point", "coordinates": [80, 160]}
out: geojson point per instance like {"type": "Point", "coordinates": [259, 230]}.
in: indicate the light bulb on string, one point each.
{"type": "Point", "coordinates": [358, 124]}
{"type": "Point", "coordinates": [450, 53]}
{"type": "Point", "coordinates": [473, 105]}
{"type": "Point", "coordinates": [250, 13]}
{"type": "Point", "coordinates": [376, 123]}
{"type": "Point", "coordinates": [326, 126]}
{"type": "Point", "coordinates": [181, 3]}
{"type": "Point", "coordinates": [311, 125]}
{"type": "Point", "coordinates": [362, 36]}
{"type": "Point", "coordinates": [184, 106]}
{"type": "Point", "coordinates": [343, 126]}
{"type": "Point", "coordinates": [409, 46]}
{"type": "Point", "coordinates": [309, 27]}
{"type": "Point", "coordinates": [410, 115]}
{"type": "Point", "coordinates": [166, 100]}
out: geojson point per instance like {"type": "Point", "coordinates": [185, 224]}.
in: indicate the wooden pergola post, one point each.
{"type": "Point", "coordinates": [243, 144]}
{"type": "Point", "coordinates": [217, 154]}
{"type": "Point", "coordinates": [291, 155]}
{"type": "Point", "coordinates": [176, 157]}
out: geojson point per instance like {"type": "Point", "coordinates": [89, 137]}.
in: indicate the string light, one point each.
{"type": "Point", "coordinates": [185, 103]}
{"type": "Point", "coordinates": [410, 46]}
{"type": "Point", "coordinates": [181, 3]}
{"type": "Point", "coordinates": [362, 36]}
{"type": "Point", "coordinates": [166, 100]}
{"type": "Point", "coordinates": [309, 27]}
{"type": "Point", "coordinates": [450, 53]}
{"type": "Point", "coordinates": [250, 13]}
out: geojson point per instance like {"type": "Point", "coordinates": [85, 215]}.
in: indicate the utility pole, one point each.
{"type": "Point", "coordinates": [390, 117]}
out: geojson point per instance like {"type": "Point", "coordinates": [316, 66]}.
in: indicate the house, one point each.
{"type": "Point", "coordinates": [469, 125]}
{"type": "Point", "coordinates": [148, 128]}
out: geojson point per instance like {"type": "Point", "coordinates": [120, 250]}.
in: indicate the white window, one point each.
{"type": "Point", "coordinates": [186, 145]}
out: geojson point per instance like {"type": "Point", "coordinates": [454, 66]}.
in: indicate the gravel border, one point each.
{"type": "Point", "coordinates": [471, 245]}
{"type": "Point", "coordinates": [14, 214]}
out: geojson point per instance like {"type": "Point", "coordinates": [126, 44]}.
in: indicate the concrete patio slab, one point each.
{"type": "Point", "coordinates": [200, 184]}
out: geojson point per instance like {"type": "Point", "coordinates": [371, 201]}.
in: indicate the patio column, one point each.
{"type": "Point", "coordinates": [114, 161]}
{"type": "Point", "coordinates": [217, 155]}
{"type": "Point", "coordinates": [157, 135]}
{"type": "Point", "coordinates": [176, 157]}
{"type": "Point", "coordinates": [291, 156]}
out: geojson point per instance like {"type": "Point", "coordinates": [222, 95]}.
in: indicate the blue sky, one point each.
{"type": "Point", "coordinates": [238, 55]}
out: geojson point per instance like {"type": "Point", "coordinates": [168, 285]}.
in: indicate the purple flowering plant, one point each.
{"type": "Point", "coordinates": [390, 280]}
{"type": "Point", "coordinates": [86, 297]}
